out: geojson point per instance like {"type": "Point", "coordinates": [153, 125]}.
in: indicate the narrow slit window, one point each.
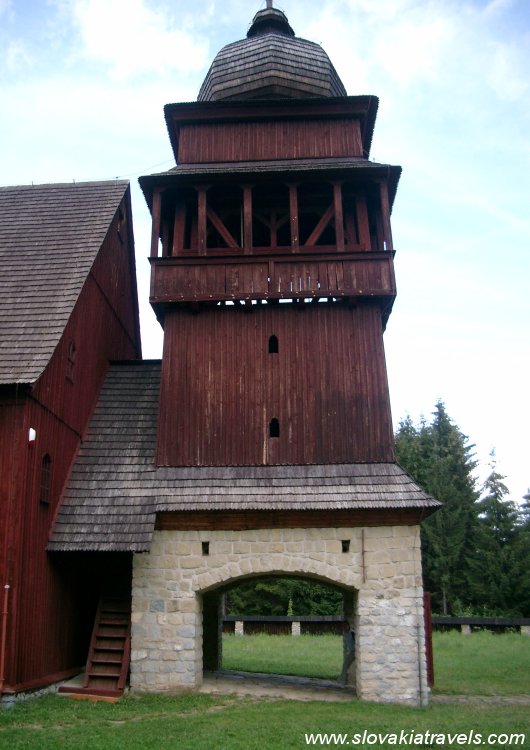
{"type": "Point", "coordinates": [45, 479]}
{"type": "Point", "coordinates": [345, 545]}
{"type": "Point", "coordinates": [274, 428]}
{"type": "Point", "coordinates": [70, 362]}
{"type": "Point", "coordinates": [206, 548]}
{"type": "Point", "coordinates": [273, 344]}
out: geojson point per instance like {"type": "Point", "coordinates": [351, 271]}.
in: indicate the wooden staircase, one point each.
{"type": "Point", "coordinates": [107, 666]}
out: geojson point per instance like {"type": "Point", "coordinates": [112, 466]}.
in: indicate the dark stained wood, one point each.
{"type": "Point", "coordinates": [277, 139]}
{"type": "Point", "coordinates": [293, 212]}
{"type": "Point", "coordinates": [427, 621]}
{"type": "Point", "coordinates": [321, 225]}
{"type": "Point", "coordinates": [362, 222]}
{"type": "Point", "coordinates": [155, 229]}
{"type": "Point", "coordinates": [326, 386]}
{"type": "Point", "coordinates": [339, 216]}
{"type": "Point", "coordinates": [247, 218]}
{"type": "Point", "coordinates": [201, 219]}
{"type": "Point", "coordinates": [314, 274]}
{"type": "Point", "coordinates": [179, 227]}
{"type": "Point", "coordinates": [221, 228]}
{"type": "Point", "coordinates": [48, 602]}
{"type": "Point", "coordinates": [385, 215]}
{"type": "Point", "coordinates": [307, 519]}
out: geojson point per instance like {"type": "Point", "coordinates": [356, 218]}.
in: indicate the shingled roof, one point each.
{"type": "Point", "coordinates": [115, 490]}
{"type": "Point", "coordinates": [271, 63]}
{"type": "Point", "coordinates": [49, 238]}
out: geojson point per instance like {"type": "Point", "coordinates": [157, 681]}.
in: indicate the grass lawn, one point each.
{"type": "Point", "coordinates": [481, 663]}
{"type": "Point", "coordinates": [478, 664]}
{"type": "Point", "coordinates": [201, 722]}
{"type": "Point", "coordinates": [305, 655]}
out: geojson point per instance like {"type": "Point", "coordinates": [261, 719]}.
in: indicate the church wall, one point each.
{"type": "Point", "coordinates": [45, 606]}
{"type": "Point", "coordinates": [383, 566]}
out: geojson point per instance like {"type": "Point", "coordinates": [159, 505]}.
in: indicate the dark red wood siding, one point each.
{"type": "Point", "coordinates": [278, 139]}
{"type": "Point", "coordinates": [326, 386]}
{"type": "Point", "coordinates": [331, 275]}
{"type": "Point", "coordinates": [47, 605]}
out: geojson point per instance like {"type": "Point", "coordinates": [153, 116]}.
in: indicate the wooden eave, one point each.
{"type": "Point", "coordinates": [264, 171]}
{"type": "Point", "coordinates": [364, 108]}
{"type": "Point", "coordinates": [302, 519]}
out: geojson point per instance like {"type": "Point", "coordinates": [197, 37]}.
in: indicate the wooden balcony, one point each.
{"type": "Point", "coordinates": [272, 277]}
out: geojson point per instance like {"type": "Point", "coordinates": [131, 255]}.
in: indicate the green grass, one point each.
{"type": "Point", "coordinates": [479, 664]}
{"type": "Point", "coordinates": [305, 655]}
{"type": "Point", "coordinates": [482, 663]}
{"type": "Point", "coordinates": [200, 722]}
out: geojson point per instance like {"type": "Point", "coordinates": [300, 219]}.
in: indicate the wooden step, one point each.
{"type": "Point", "coordinates": [107, 665]}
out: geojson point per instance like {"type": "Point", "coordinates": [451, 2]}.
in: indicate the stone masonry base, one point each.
{"type": "Point", "coordinates": [380, 573]}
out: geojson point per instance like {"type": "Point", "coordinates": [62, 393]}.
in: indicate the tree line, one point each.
{"type": "Point", "coordinates": [475, 548]}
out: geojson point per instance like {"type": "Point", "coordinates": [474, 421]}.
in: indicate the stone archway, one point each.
{"type": "Point", "coordinates": [381, 563]}
{"type": "Point", "coordinates": [212, 622]}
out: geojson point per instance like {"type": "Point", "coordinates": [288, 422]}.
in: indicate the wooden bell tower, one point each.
{"type": "Point", "coordinates": [272, 264]}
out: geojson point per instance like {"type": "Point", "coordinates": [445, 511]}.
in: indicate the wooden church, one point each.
{"type": "Point", "coordinates": [137, 492]}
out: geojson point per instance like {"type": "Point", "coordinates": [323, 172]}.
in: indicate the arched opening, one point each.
{"type": "Point", "coordinates": [292, 626]}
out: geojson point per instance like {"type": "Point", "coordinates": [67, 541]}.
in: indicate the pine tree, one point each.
{"type": "Point", "coordinates": [497, 564]}
{"type": "Point", "coordinates": [522, 554]}
{"type": "Point", "coordinates": [279, 595]}
{"type": "Point", "coordinates": [439, 457]}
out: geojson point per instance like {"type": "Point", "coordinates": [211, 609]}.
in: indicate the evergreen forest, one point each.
{"type": "Point", "coordinates": [475, 549]}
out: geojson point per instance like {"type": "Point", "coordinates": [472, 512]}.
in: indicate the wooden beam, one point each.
{"type": "Point", "coordinates": [321, 225]}
{"type": "Point", "coordinates": [247, 218]}
{"type": "Point", "coordinates": [288, 519]}
{"type": "Point", "coordinates": [361, 211]}
{"type": "Point", "coordinates": [385, 215]}
{"type": "Point", "coordinates": [201, 219]}
{"type": "Point", "coordinates": [155, 226]}
{"type": "Point", "coordinates": [221, 228]}
{"type": "Point", "coordinates": [165, 238]}
{"type": "Point", "coordinates": [339, 216]}
{"type": "Point", "coordinates": [179, 227]}
{"type": "Point", "coordinates": [293, 214]}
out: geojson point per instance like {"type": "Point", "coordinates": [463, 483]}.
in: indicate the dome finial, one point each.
{"type": "Point", "coordinates": [270, 19]}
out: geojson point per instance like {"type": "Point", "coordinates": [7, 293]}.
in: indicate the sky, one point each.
{"type": "Point", "coordinates": [82, 89]}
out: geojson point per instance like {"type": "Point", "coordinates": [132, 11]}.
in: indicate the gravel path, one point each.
{"type": "Point", "coordinates": [262, 685]}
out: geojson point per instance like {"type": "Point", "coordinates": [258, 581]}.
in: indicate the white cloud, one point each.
{"type": "Point", "coordinates": [132, 38]}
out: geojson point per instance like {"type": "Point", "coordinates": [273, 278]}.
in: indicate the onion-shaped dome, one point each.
{"type": "Point", "coordinates": [271, 63]}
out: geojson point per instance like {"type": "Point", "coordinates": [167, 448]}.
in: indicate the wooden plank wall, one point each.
{"type": "Point", "coordinates": [277, 277]}
{"type": "Point", "coordinates": [46, 608]}
{"type": "Point", "coordinates": [326, 386]}
{"type": "Point", "coordinates": [279, 139]}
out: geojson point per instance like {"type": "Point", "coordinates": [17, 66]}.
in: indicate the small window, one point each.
{"type": "Point", "coordinates": [45, 479]}
{"type": "Point", "coordinates": [273, 345]}
{"type": "Point", "coordinates": [274, 428]}
{"type": "Point", "coordinates": [70, 362]}
{"type": "Point", "coordinates": [345, 545]}
{"type": "Point", "coordinates": [206, 548]}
